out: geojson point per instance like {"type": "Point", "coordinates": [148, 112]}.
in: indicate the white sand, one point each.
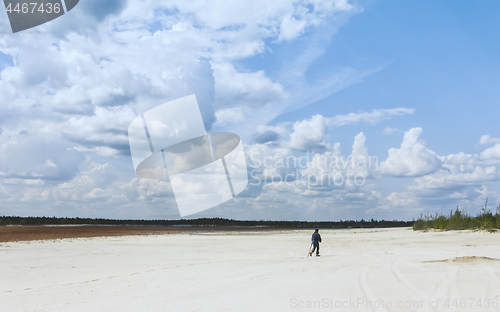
{"type": "Point", "coordinates": [361, 270]}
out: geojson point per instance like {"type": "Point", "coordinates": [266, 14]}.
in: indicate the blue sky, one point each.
{"type": "Point", "coordinates": [5, 60]}
{"type": "Point", "coordinates": [412, 83]}
{"type": "Point", "coordinates": [441, 59]}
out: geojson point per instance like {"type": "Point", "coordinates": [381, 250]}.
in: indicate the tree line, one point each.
{"type": "Point", "coordinates": [33, 221]}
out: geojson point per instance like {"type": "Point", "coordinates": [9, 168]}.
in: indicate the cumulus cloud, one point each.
{"type": "Point", "coordinates": [270, 160]}
{"type": "Point", "coordinates": [294, 23]}
{"type": "Point", "coordinates": [267, 136]}
{"type": "Point", "coordinates": [413, 158]}
{"type": "Point", "coordinates": [373, 117]}
{"type": "Point", "coordinates": [229, 115]}
{"type": "Point", "coordinates": [39, 154]}
{"type": "Point", "coordinates": [91, 179]}
{"type": "Point", "coordinates": [489, 156]}
{"type": "Point", "coordinates": [445, 189]}
{"type": "Point", "coordinates": [95, 183]}
{"type": "Point", "coordinates": [453, 175]}
{"type": "Point", "coordinates": [388, 130]}
{"type": "Point", "coordinates": [309, 135]}
{"type": "Point", "coordinates": [333, 168]}
{"type": "Point", "coordinates": [486, 139]}
{"type": "Point", "coordinates": [103, 132]}
{"type": "Point", "coordinates": [311, 185]}
{"type": "Point", "coordinates": [72, 89]}
{"type": "Point", "coordinates": [460, 159]}
{"type": "Point", "coordinates": [491, 153]}
{"type": "Point", "coordinates": [461, 180]}
{"type": "Point", "coordinates": [282, 128]}
{"type": "Point", "coordinates": [85, 76]}
{"type": "Point", "coordinates": [362, 163]}
{"type": "Point", "coordinates": [326, 186]}
{"type": "Point", "coordinates": [248, 89]}
{"type": "Point", "coordinates": [290, 27]}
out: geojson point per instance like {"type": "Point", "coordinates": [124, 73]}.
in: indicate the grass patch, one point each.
{"type": "Point", "coordinates": [460, 220]}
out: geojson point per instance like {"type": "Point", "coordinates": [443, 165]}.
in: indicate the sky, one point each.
{"type": "Point", "coordinates": [392, 106]}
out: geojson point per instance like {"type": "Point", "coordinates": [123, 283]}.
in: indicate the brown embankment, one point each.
{"type": "Point", "coordinates": [28, 233]}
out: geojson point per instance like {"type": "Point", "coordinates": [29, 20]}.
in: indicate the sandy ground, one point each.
{"type": "Point", "coordinates": [359, 270]}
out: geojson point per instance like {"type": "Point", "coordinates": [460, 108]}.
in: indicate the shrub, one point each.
{"type": "Point", "coordinates": [460, 220]}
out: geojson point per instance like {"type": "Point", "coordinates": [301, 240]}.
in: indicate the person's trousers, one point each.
{"type": "Point", "coordinates": [316, 247]}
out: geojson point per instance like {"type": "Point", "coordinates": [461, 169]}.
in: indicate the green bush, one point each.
{"type": "Point", "coordinates": [460, 220]}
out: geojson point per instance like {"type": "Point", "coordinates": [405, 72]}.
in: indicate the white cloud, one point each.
{"type": "Point", "coordinates": [269, 160]}
{"type": "Point", "coordinates": [77, 84]}
{"type": "Point", "coordinates": [447, 188]}
{"type": "Point", "coordinates": [459, 159]}
{"type": "Point", "coordinates": [452, 175]}
{"type": "Point", "coordinates": [50, 164]}
{"type": "Point", "coordinates": [347, 172]}
{"type": "Point", "coordinates": [461, 180]}
{"type": "Point", "coordinates": [373, 117]}
{"type": "Point", "coordinates": [362, 163]}
{"type": "Point", "coordinates": [294, 23]}
{"type": "Point", "coordinates": [291, 27]}
{"type": "Point", "coordinates": [413, 158]}
{"type": "Point", "coordinates": [96, 193]}
{"type": "Point", "coordinates": [245, 89]}
{"type": "Point", "coordinates": [93, 176]}
{"type": "Point", "coordinates": [229, 115]}
{"type": "Point", "coordinates": [491, 153]}
{"type": "Point", "coordinates": [309, 135]}
{"type": "Point", "coordinates": [280, 128]}
{"type": "Point", "coordinates": [388, 130]}
{"type": "Point", "coordinates": [486, 139]}
{"type": "Point", "coordinates": [103, 132]}
{"type": "Point", "coordinates": [39, 154]}
{"type": "Point", "coordinates": [489, 156]}
{"type": "Point", "coordinates": [34, 182]}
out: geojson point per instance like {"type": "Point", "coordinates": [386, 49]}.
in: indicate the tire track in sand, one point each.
{"type": "Point", "coordinates": [366, 289]}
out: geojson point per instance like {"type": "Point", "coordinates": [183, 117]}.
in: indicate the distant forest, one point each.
{"type": "Point", "coordinates": [205, 222]}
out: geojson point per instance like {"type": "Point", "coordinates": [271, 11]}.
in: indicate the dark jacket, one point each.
{"type": "Point", "coordinates": [316, 238]}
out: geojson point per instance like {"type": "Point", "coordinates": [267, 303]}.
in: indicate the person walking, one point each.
{"type": "Point", "coordinates": [316, 239]}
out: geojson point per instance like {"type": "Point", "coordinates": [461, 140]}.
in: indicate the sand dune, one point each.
{"type": "Point", "coordinates": [359, 270]}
